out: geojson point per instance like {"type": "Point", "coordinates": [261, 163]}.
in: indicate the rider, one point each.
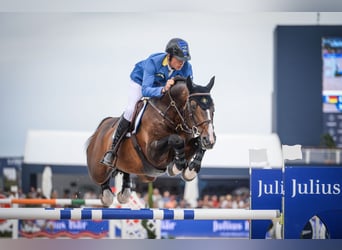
{"type": "Point", "coordinates": [151, 77]}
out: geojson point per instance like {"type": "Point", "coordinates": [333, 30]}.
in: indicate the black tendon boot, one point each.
{"type": "Point", "coordinates": [120, 132]}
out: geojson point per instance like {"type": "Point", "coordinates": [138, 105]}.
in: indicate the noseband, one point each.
{"type": "Point", "coordinates": [183, 126]}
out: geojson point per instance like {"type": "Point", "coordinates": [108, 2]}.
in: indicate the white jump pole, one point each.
{"type": "Point", "coordinates": [61, 202]}
{"type": "Point", "coordinates": [123, 213]}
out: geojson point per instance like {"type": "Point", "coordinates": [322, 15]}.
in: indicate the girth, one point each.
{"type": "Point", "coordinates": [148, 168]}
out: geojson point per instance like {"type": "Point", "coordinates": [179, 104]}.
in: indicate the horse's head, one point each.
{"type": "Point", "coordinates": [200, 107]}
{"type": "Point", "coordinates": [189, 108]}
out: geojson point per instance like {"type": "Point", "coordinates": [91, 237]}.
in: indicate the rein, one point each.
{"type": "Point", "coordinates": [183, 126]}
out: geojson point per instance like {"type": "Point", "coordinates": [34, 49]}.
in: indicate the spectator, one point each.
{"type": "Point", "coordinates": [206, 201]}
{"type": "Point", "coordinates": [183, 204]}
{"type": "Point", "coordinates": [89, 195]}
{"type": "Point", "coordinates": [214, 201]}
{"type": "Point", "coordinates": [227, 202]}
{"type": "Point", "coordinates": [157, 199]}
{"type": "Point", "coordinates": [238, 202]}
{"type": "Point", "coordinates": [21, 195]}
{"type": "Point", "coordinates": [33, 193]}
{"type": "Point", "coordinates": [172, 203]}
{"type": "Point", "coordinates": [199, 203]}
{"type": "Point", "coordinates": [166, 196]}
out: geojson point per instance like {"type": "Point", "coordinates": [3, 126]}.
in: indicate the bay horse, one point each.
{"type": "Point", "coordinates": [173, 135]}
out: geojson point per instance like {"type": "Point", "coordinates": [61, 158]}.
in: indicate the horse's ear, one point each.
{"type": "Point", "coordinates": [189, 83]}
{"type": "Point", "coordinates": [211, 83]}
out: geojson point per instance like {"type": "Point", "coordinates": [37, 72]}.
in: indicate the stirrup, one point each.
{"type": "Point", "coordinates": [108, 159]}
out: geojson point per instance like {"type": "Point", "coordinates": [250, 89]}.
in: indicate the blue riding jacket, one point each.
{"type": "Point", "coordinates": [153, 73]}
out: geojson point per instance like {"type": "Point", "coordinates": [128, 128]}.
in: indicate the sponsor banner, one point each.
{"type": "Point", "coordinates": [99, 229]}
{"type": "Point", "coordinates": [205, 228]}
{"type": "Point", "coordinates": [313, 191]}
{"type": "Point", "coordinates": [267, 189]}
{"type": "Point", "coordinates": [63, 228]}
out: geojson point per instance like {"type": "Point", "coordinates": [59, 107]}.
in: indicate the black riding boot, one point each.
{"type": "Point", "coordinates": [120, 132]}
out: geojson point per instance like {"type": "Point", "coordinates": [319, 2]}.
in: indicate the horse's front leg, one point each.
{"type": "Point", "coordinates": [196, 161]}
{"type": "Point", "coordinates": [179, 162]}
{"type": "Point", "coordinates": [194, 166]}
{"type": "Point", "coordinates": [162, 147]}
{"type": "Point", "coordinates": [178, 145]}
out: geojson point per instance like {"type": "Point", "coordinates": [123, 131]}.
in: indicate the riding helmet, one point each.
{"type": "Point", "coordinates": [178, 48]}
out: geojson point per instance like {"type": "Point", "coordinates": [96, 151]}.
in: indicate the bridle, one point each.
{"type": "Point", "coordinates": [183, 126]}
{"type": "Point", "coordinates": [209, 120]}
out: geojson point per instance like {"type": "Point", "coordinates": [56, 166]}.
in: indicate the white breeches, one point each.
{"type": "Point", "coordinates": [134, 95]}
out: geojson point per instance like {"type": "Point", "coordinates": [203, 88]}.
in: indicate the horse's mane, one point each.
{"type": "Point", "coordinates": [194, 87]}
{"type": "Point", "coordinates": [179, 79]}
{"type": "Point", "coordinates": [180, 90]}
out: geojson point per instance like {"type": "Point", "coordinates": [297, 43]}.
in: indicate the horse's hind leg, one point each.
{"type": "Point", "coordinates": [125, 193]}
{"type": "Point", "coordinates": [107, 194]}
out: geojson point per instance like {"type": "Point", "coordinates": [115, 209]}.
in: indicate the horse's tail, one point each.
{"type": "Point", "coordinates": [92, 137]}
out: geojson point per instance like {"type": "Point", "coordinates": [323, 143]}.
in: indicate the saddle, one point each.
{"type": "Point", "coordinates": [137, 115]}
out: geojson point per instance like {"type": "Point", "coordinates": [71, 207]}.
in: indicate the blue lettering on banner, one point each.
{"type": "Point", "coordinates": [63, 228]}
{"type": "Point", "coordinates": [205, 228]}
{"type": "Point", "coordinates": [77, 225]}
{"type": "Point", "coordinates": [267, 188]}
{"type": "Point", "coordinates": [314, 187]}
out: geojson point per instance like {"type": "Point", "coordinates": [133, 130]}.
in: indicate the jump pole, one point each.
{"type": "Point", "coordinates": [61, 202]}
{"type": "Point", "coordinates": [127, 213]}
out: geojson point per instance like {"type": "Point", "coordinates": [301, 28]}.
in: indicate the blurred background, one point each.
{"type": "Point", "coordinates": [61, 73]}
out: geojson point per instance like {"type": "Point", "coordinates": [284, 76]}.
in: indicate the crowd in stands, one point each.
{"type": "Point", "coordinates": [163, 199]}
{"type": "Point", "coordinates": [167, 200]}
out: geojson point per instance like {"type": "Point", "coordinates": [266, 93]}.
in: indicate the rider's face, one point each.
{"type": "Point", "coordinates": [176, 64]}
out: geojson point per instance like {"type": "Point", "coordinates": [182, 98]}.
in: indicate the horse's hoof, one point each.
{"type": "Point", "coordinates": [123, 196]}
{"type": "Point", "coordinates": [169, 171]}
{"type": "Point", "coordinates": [189, 175]}
{"type": "Point", "coordinates": [173, 170]}
{"type": "Point", "coordinates": [107, 198]}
